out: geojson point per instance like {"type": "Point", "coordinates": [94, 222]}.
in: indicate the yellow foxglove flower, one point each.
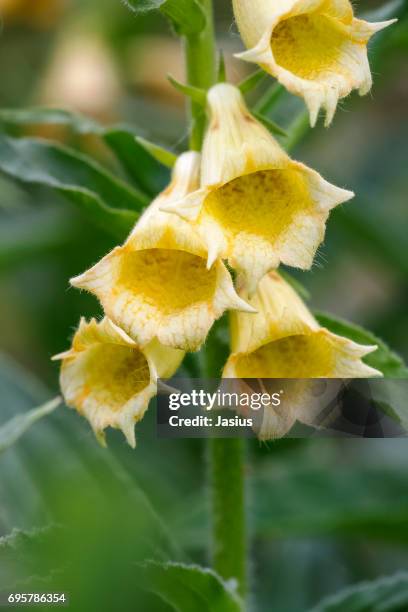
{"type": "Point", "coordinates": [157, 284]}
{"type": "Point", "coordinates": [283, 340]}
{"type": "Point", "coordinates": [109, 379]}
{"type": "Point", "coordinates": [256, 207]}
{"type": "Point", "coordinates": [317, 49]}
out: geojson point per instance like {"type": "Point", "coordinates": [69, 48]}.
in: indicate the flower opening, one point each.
{"type": "Point", "coordinates": [317, 49]}
{"type": "Point", "coordinates": [157, 285]}
{"type": "Point", "coordinates": [283, 340]}
{"type": "Point", "coordinates": [109, 379]}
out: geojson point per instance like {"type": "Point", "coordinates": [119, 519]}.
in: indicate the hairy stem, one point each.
{"type": "Point", "coordinates": [229, 546]}
{"type": "Point", "coordinates": [200, 52]}
{"type": "Point", "coordinates": [226, 456]}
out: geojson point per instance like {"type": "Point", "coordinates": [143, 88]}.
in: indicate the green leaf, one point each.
{"type": "Point", "coordinates": [336, 501]}
{"type": "Point", "coordinates": [383, 359]}
{"type": "Point", "coordinates": [187, 16]}
{"type": "Point", "coordinates": [59, 457]}
{"type": "Point", "coordinates": [190, 588]}
{"type": "Point", "coordinates": [340, 501]}
{"type": "Point", "coordinates": [165, 157]}
{"type": "Point", "coordinates": [16, 549]}
{"type": "Point", "coordinates": [18, 425]}
{"type": "Point", "coordinates": [147, 173]}
{"type": "Point", "coordinates": [388, 594]}
{"type": "Point", "coordinates": [273, 127]}
{"type": "Point", "coordinates": [18, 242]}
{"type": "Point", "coordinates": [388, 10]}
{"type": "Point", "coordinates": [10, 117]}
{"type": "Point", "coordinates": [110, 203]}
{"type": "Point", "coordinates": [141, 168]}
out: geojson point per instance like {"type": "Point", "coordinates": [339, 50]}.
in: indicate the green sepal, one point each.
{"type": "Point", "coordinates": [222, 69]}
{"type": "Point", "coordinates": [194, 93]}
{"type": "Point", "coordinates": [160, 154]}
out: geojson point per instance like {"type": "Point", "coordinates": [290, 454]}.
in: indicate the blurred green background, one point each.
{"type": "Point", "coordinates": [324, 513]}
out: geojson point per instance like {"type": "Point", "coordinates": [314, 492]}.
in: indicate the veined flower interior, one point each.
{"type": "Point", "coordinates": [112, 374]}
{"type": "Point", "coordinates": [264, 203]}
{"type": "Point", "coordinates": [167, 279]}
{"type": "Point", "coordinates": [299, 356]}
{"type": "Point", "coordinates": [310, 46]}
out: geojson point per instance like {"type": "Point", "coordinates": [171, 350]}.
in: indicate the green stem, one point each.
{"type": "Point", "coordinates": [226, 456]}
{"type": "Point", "coordinates": [229, 548]}
{"type": "Point", "coordinates": [200, 51]}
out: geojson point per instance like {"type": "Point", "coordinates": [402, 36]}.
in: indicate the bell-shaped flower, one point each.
{"type": "Point", "coordinates": [284, 341]}
{"type": "Point", "coordinates": [256, 207]}
{"type": "Point", "coordinates": [109, 379]}
{"type": "Point", "coordinates": [317, 49]}
{"type": "Point", "coordinates": [157, 285]}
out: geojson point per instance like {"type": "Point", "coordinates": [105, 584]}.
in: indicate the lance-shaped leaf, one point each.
{"type": "Point", "coordinates": [18, 425]}
{"type": "Point", "coordinates": [388, 594]}
{"type": "Point", "coordinates": [140, 165]}
{"type": "Point", "coordinates": [190, 588]}
{"type": "Point", "coordinates": [107, 201]}
{"type": "Point", "coordinates": [187, 16]}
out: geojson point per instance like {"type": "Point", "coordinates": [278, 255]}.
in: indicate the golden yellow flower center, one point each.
{"type": "Point", "coordinates": [167, 279]}
{"type": "Point", "coordinates": [264, 203]}
{"type": "Point", "coordinates": [309, 46]}
{"type": "Point", "coordinates": [293, 357]}
{"type": "Point", "coordinates": [113, 374]}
